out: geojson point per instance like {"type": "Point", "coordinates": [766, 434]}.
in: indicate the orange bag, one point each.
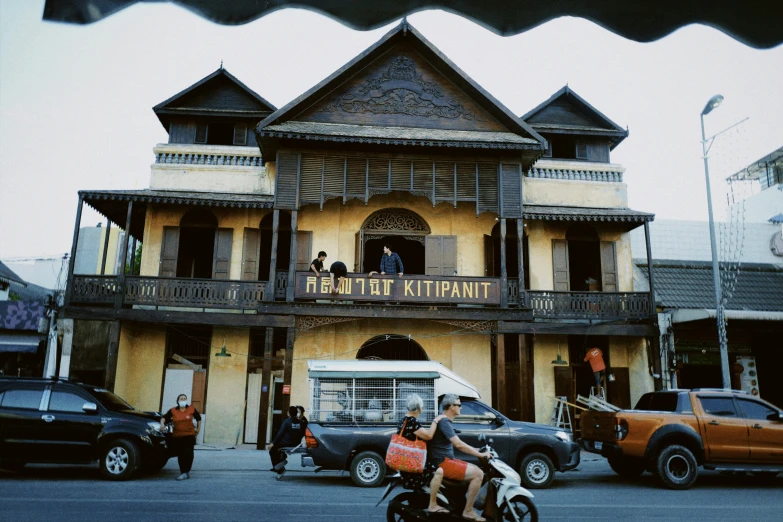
{"type": "Point", "coordinates": [406, 455]}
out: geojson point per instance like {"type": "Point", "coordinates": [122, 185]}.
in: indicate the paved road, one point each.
{"type": "Point", "coordinates": [233, 485]}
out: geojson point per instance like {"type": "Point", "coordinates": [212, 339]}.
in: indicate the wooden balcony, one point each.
{"type": "Point", "coordinates": [588, 305]}
{"type": "Point", "coordinates": [248, 295]}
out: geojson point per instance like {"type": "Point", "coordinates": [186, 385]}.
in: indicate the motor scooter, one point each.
{"type": "Point", "coordinates": [501, 497]}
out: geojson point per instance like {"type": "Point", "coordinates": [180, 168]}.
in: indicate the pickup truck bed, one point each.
{"type": "Point", "coordinates": [672, 433]}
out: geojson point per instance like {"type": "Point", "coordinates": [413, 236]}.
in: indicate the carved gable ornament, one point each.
{"type": "Point", "coordinates": [400, 90]}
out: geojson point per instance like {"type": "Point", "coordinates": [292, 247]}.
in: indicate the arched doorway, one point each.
{"type": "Point", "coordinates": [196, 249]}
{"type": "Point", "coordinates": [283, 244]}
{"type": "Point", "coordinates": [392, 347]}
{"type": "Point", "coordinates": [402, 229]}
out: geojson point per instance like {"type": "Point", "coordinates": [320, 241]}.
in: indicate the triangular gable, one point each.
{"type": "Point", "coordinates": [566, 108]}
{"type": "Point", "coordinates": [220, 91]}
{"type": "Point", "coordinates": [403, 81]}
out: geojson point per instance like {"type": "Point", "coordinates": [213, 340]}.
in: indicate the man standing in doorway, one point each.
{"type": "Point", "coordinates": [391, 262]}
{"type": "Point", "coordinates": [317, 265]}
{"type": "Point", "coordinates": [596, 358]}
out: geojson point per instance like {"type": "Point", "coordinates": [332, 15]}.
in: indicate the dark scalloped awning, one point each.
{"type": "Point", "coordinates": [755, 23]}
{"type": "Point", "coordinates": [618, 215]}
{"type": "Point", "coordinates": [114, 203]}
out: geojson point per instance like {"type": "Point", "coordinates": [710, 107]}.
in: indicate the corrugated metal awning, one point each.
{"type": "Point", "coordinates": [26, 343]}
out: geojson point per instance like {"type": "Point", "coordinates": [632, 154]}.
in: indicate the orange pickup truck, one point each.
{"type": "Point", "coordinates": [672, 433]}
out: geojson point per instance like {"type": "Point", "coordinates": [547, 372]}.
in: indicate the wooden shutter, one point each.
{"type": "Point", "coordinates": [511, 190]}
{"type": "Point", "coordinates": [168, 252]}
{"type": "Point", "coordinates": [560, 265]}
{"type": "Point", "coordinates": [358, 254]}
{"type": "Point", "coordinates": [581, 149]}
{"type": "Point", "coordinates": [608, 267]}
{"type": "Point", "coordinates": [304, 241]}
{"type": "Point", "coordinates": [221, 261]}
{"type": "Point", "coordinates": [182, 131]}
{"type": "Point", "coordinates": [287, 181]}
{"type": "Point", "coordinates": [240, 134]}
{"type": "Point", "coordinates": [440, 255]}
{"type": "Point", "coordinates": [489, 256]}
{"type": "Point", "coordinates": [251, 253]}
{"type": "Point", "coordinates": [548, 151]}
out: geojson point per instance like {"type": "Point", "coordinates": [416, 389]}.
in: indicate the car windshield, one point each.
{"type": "Point", "coordinates": [663, 402]}
{"type": "Point", "coordinates": [110, 401]}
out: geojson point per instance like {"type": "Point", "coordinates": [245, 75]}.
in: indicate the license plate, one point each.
{"type": "Point", "coordinates": [599, 445]}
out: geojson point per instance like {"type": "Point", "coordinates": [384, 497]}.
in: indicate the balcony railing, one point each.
{"type": "Point", "coordinates": [175, 291]}
{"type": "Point", "coordinates": [215, 293]}
{"type": "Point", "coordinates": [588, 305]}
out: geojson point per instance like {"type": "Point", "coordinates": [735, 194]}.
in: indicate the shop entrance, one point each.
{"type": "Point", "coordinates": [392, 347]}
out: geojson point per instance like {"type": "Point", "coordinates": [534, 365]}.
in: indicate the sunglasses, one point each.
{"type": "Point", "coordinates": [457, 404]}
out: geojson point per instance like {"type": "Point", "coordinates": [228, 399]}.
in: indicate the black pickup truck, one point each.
{"type": "Point", "coordinates": [536, 450]}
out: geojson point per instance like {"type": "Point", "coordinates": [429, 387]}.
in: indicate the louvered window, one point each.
{"type": "Point", "coordinates": [444, 181]}
{"type": "Point", "coordinates": [400, 175]}
{"type": "Point", "coordinates": [379, 174]}
{"type": "Point", "coordinates": [285, 192]}
{"type": "Point", "coordinates": [240, 134]}
{"type": "Point", "coordinates": [488, 187]}
{"type": "Point", "coordinates": [356, 177]}
{"type": "Point", "coordinates": [422, 176]}
{"type": "Point", "coordinates": [466, 182]}
{"type": "Point", "coordinates": [310, 188]}
{"type": "Point", "coordinates": [581, 150]}
{"type": "Point", "coordinates": [334, 175]}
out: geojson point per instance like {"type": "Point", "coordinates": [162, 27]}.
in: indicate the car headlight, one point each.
{"type": "Point", "coordinates": [154, 426]}
{"type": "Point", "coordinates": [564, 436]}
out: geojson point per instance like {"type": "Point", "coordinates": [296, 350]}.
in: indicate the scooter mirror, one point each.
{"type": "Point", "coordinates": [482, 437]}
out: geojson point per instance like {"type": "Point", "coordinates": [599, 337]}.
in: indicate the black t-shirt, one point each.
{"type": "Point", "coordinates": [290, 434]}
{"type": "Point", "coordinates": [319, 265]}
{"type": "Point", "coordinates": [412, 425]}
{"type": "Point", "coordinates": [339, 269]}
{"type": "Point", "coordinates": [440, 447]}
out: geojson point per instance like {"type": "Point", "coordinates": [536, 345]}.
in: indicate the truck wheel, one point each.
{"type": "Point", "coordinates": [368, 469]}
{"type": "Point", "coordinates": [119, 459]}
{"type": "Point", "coordinates": [626, 467]}
{"type": "Point", "coordinates": [537, 471]}
{"type": "Point", "coordinates": [676, 467]}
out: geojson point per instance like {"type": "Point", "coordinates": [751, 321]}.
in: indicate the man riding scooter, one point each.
{"type": "Point", "coordinates": [441, 454]}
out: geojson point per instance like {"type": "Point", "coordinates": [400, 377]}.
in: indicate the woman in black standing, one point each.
{"type": "Point", "coordinates": [183, 438]}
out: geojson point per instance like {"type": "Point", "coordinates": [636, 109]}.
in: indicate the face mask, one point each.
{"type": "Point", "coordinates": [183, 404]}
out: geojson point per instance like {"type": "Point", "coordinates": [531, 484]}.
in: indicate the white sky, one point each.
{"type": "Point", "coordinates": [75, 101]}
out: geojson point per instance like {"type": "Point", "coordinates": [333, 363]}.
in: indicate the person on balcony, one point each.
{"type": "Point", "coordinates": [317, 265]}
{"type": "Point", "coordinates": [390, 262]}
{"type": "Point", "coordinates": [338, 271]}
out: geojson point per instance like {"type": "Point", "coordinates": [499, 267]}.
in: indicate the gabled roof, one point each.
{"type": "Point", "coordinates": [433, 56]}
{"type": "Point", "coordinates": [251, 105]}
{"type": "Point", "coordinates": [587, 120]}
{"type": "Point", "coordinates": [9, 276]}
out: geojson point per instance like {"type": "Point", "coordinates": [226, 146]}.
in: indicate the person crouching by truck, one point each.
{"type": "Point", "coordinates": [183, 438]}
{"type": "Point", "coordinates": [289, 436]}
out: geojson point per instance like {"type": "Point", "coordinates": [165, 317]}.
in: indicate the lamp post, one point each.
{"type": "Point", "coordinates": [713, 103]}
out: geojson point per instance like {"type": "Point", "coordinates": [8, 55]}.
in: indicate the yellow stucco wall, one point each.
{"type": "Point", "coordinates": [464, 352]}
{"type": "Point", "coordinates": [555, 192]}
{"type": "Point", "coordinates": [226, 387]}
{"type": "Point", "coordinates": [544, 352]}
{"type": "Point", "coordinates": [140, 365]}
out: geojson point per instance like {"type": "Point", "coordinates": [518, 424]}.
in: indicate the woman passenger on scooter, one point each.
{"type": "Point", "coordinates": [413, 429]}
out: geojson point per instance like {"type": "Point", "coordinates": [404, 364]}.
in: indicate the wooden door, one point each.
{"type": "Point", "coordinates": [619, 390]}
{"type": "Point", "coordinates": [252, 406]}
{"type": "Point", "coordinates": [358, 255]}
{"type": "Point", "coordinates": [489, 256]}
{"type": "Point", "coordinates": [198, 394]}
{"type": "Point", "coordinates": [304, 245]}
{"type": "Point", "coordinates": [168, 252]}
{"type": "Point", "coordinates": [221, 262]}
{"type": "Point", "coordinates": [608, 266]}
{"type": "Point", "coordinates": [251, 253]}
{"type": "Point", "coordinates": [560, 265]}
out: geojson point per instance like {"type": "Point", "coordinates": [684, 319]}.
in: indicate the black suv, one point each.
{"type": "Point", "coordinates": [58, 421]}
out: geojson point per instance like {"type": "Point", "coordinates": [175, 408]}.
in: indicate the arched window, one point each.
{"type": "Point", "coordinates": [402, 229]}
{"type": "Point", "coordinates": [392, 347]}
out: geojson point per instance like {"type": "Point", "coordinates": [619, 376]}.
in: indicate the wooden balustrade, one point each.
{"type": "Point", "coordinates": [588, 305]}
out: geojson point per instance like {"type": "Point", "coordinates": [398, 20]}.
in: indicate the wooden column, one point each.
{"type": "Point", "coordinates": [266, 382]}
{"type": "Point", "coordinates": [500, 370]}
{"type": "Point", "coordinates": [289, 293]}
{"type": "Point", "coordinates": [526, 372]}
{"type": "Point", "coordinates": [74, 244]}
{"type": "Point", "coordinates": [288, 362]}
{"type": "Point", "coordinates": [111, 356]}
{"type": "Point", "coordinates": [503, 267]}
{"type": "Point", "coordinates": [105, 246]}
{"type": "Point", "coordinates": [118, 297]}
{"type": "Point", "coordinates": [650, 266]}
{"type": "Point", "coordinates": [521, 262]}
{"type": "Point", "coordinates": [269, 292]}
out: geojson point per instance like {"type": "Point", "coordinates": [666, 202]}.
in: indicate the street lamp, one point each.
{"type": "Point", "coordinates": [713, 103]}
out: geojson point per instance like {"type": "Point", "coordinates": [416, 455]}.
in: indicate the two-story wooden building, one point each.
{"type": "Point", "coordinates": [513, 231]}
